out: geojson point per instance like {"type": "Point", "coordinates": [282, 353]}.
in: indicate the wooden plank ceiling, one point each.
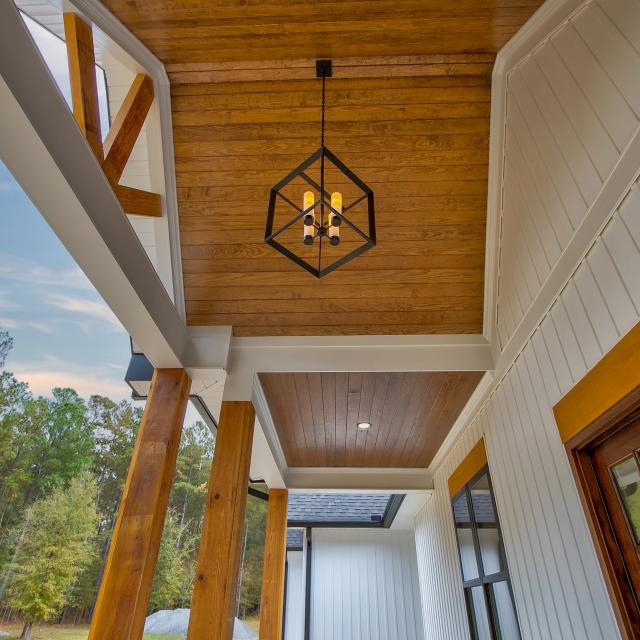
{"type": "Point", "coordinates": [407, 110]}
{"type": "Point", "coordinates": [316, 416]}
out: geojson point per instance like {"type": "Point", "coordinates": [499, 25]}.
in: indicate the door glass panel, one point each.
{"type": "Point", "coordinates": [467, 555]}
{"type": "Point", "coordinates": [507, 620]}
{"type": "Point", "coordinates": [480, 614]}
{"type": "Point", "coordinates": [627, 478]}
{"type": "Point", "coordinates": [490, 550]}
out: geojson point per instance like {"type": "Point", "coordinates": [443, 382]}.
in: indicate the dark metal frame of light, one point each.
{"type": "Point", "coordinates": [323, 69]}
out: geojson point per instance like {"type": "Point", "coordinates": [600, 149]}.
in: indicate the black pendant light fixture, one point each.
{"type": "Point", "coordinates": [314, 214]}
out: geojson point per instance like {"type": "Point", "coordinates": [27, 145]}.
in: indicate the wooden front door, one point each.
{"type": "Point", "coordinates": [615, 462]}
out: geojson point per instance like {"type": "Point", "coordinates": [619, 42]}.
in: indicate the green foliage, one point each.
{"type": "Point", "coordinates": [6, 344]}
{"type": "Point", "coordinates": [252, 561]}
{"type": "Point", "coordinates": [52, 546]}
{"type": "Point", "coordinates": [47, 446]}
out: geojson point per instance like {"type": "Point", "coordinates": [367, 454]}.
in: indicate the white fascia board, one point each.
{"type": "Point", "coordinates": [45, 150]}
{"type": "Point", "coordinates": [249, 356]}
{"type": "Point", "coordinates": [412, 503]}
{"type": "Point", "coordinates": [340, 479]}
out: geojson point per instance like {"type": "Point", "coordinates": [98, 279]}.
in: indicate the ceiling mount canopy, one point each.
{"type": "Point", "coordinates": [311, 199]}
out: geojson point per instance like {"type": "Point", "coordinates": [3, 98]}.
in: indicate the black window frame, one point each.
{"type": "Point", "coordinates": [484, 581]}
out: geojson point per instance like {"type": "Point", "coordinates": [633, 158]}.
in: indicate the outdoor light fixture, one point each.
{"type": "Point", "coordinates": [317, 210]}
{"type": "Point", "coordinates": [363, 426]}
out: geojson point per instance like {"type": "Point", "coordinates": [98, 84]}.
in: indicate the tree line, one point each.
{"type": "Point", "coordinates": [63, 466]}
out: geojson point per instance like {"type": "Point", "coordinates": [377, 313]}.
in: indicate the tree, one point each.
{"type": "Point", "coordinates": [53, 546]}
{"type": "Point", "coordinates": [6, 344]}
{"type": "Point", "coordinates": [253, 556]}
{"type": "Point", "coordinates": [171, 567]}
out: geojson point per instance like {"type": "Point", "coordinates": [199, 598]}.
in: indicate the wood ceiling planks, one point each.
{"type": "Point", "coordinates": [420, 143]}
{"type": "Point", "coordinates": [407, 110]}
{"type": "Point", "coordinates": [316, 416]}
{"type": "Point", "coordinates": [182, 31]}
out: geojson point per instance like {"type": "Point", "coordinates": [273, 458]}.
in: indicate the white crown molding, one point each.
{"type": "Point", "coordinates": [94, 11]}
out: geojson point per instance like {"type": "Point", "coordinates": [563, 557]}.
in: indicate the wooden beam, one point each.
{"type": "Point", "coordinates": [82, 75]}
{"type": "Point", "coordinates": [275, 550]}
{"type": "Point", "coordinates": [214, 594]}
{"type": "Point", "coordinates": [136, 202]}
{"type": "Point", "coordinates": [126, 127]}
{"type": "Point", "coordinates": [123, 598]}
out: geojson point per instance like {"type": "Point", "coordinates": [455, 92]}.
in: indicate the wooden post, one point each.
{"type": "Point", "coordinates": [125, 588]}
{"type": "Point", "coordinates": [82, 76]}
{"type": "Point", "coordinates": [275, 550]}
{"type": "Point", "coordinates": [214, 595]}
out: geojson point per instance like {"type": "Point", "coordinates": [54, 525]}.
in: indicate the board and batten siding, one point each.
{"type": "Point", "coordinates": [364, 585]}
{"type": "Point", "coordinates": [567, 296]}
{"type": "Point", "coordinates": [557, 582]}
{"type": "Point", "coordinates": [573, 106]}
{"type": "Point", "coordinates": [294, 605]}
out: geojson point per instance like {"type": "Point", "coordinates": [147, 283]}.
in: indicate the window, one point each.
{"type": "Point", "coordinates": [485, 576]}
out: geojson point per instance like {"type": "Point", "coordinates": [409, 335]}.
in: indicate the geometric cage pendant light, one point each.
{"type": "Point", "coordinates": [318, 232]}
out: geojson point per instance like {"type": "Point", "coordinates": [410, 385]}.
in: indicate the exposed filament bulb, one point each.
{"type": "Point", "coordinates": [334, 221]}
{"type": "Point", "coordinates": [309, 217]}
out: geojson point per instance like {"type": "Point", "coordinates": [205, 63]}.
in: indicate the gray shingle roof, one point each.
{"type": "Point", "coordinates": [294, 538]}
{"type": "Point", "coordinates": [337, 507]}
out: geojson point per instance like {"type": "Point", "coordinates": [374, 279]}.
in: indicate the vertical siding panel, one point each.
{"type": "Point", "coordinates": [558, 585]}
{"type": "Point", "coordinates": [613, 50]}
{"type": "Point", "coordinates": [363, 585]}
{"type": "Point", "coordinates": [626, 17]}
{"type": "Point", "coordinates": [612, 288]}
{"type": "Point", "coordinates": [573, 106]}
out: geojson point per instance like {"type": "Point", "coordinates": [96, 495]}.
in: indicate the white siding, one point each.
{"type": "Point", "coordinates": [573, 106]}
{"type": "Point", "coordinates": [558, 585]}
{"type": "Point", "coordinates": [294, 613]}
{"type": "Point", "coordinates": [364, 585]}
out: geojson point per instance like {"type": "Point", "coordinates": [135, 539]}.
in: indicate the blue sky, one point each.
{"type": "Point", "coordinates": [64, 334]}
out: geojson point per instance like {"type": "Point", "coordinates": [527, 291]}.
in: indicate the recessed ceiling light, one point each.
{"type": "Point", "coordinates": [364, 425]}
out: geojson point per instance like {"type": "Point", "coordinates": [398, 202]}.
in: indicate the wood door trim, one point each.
{"type": "Point", "coordinates": [600, 404]}
{"type": "Point", "coordinates": [475, 460]}
{"type": "Point", "coordinates": [611, 385]}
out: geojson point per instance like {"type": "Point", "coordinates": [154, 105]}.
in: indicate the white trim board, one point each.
{"type": "Point", "coordinates": [351, 353]}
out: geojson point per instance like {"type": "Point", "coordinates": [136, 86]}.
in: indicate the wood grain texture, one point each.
{"type": "Point", "coordinates": [407, 110]}
{"type": "Point", "coordinates": [316, 416]}
{"type": "Point", "coordinates": [214, 595]}
{"type": "Point", "coordinates": [474, 461]}
{"type": "Point", "coordinates": [420, 143]}
{"type": "Point", "coordinates": [137, 202]}
{"type": "Point", "coordinates": [275, 549]}
{"type": "Point", "coordinates": [610, 381]}
{"type": "Point", "coordinates": [126, 127]}
{"type": "Point", "coordinates": [82, 77]}
{"type": "Point", "coordinates": [180, 32]}
{"type": "Point", "coordinates": [123, 598]}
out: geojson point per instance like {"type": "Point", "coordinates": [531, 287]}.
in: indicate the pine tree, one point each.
{"type": "Point", "coordinates": [52, 547]}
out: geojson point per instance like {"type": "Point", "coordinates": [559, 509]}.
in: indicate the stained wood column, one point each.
{"type": "Point", "coordinates": [124, 592]}
{"type": "Point", "coordinates": [214, 595]}
{"type": "Point", "coordinates": [275, 550]}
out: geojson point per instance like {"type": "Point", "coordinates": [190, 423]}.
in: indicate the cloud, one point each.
{"type": "Point", "coordinates": [15, 325]}
{"type": "Point", "coordinates": [93, 309]}
{"type": "Point", "coordinates": [23, 270]}
{"type": "Point", "coordinates": [51, 372]}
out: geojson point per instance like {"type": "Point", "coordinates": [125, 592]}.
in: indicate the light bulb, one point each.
{"type": "Point", "coordinates": [334, 221]}
{"type": "Point", "coordinates": [363, 426]}
{"type": "Point", "coordinates": [309, 217]}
